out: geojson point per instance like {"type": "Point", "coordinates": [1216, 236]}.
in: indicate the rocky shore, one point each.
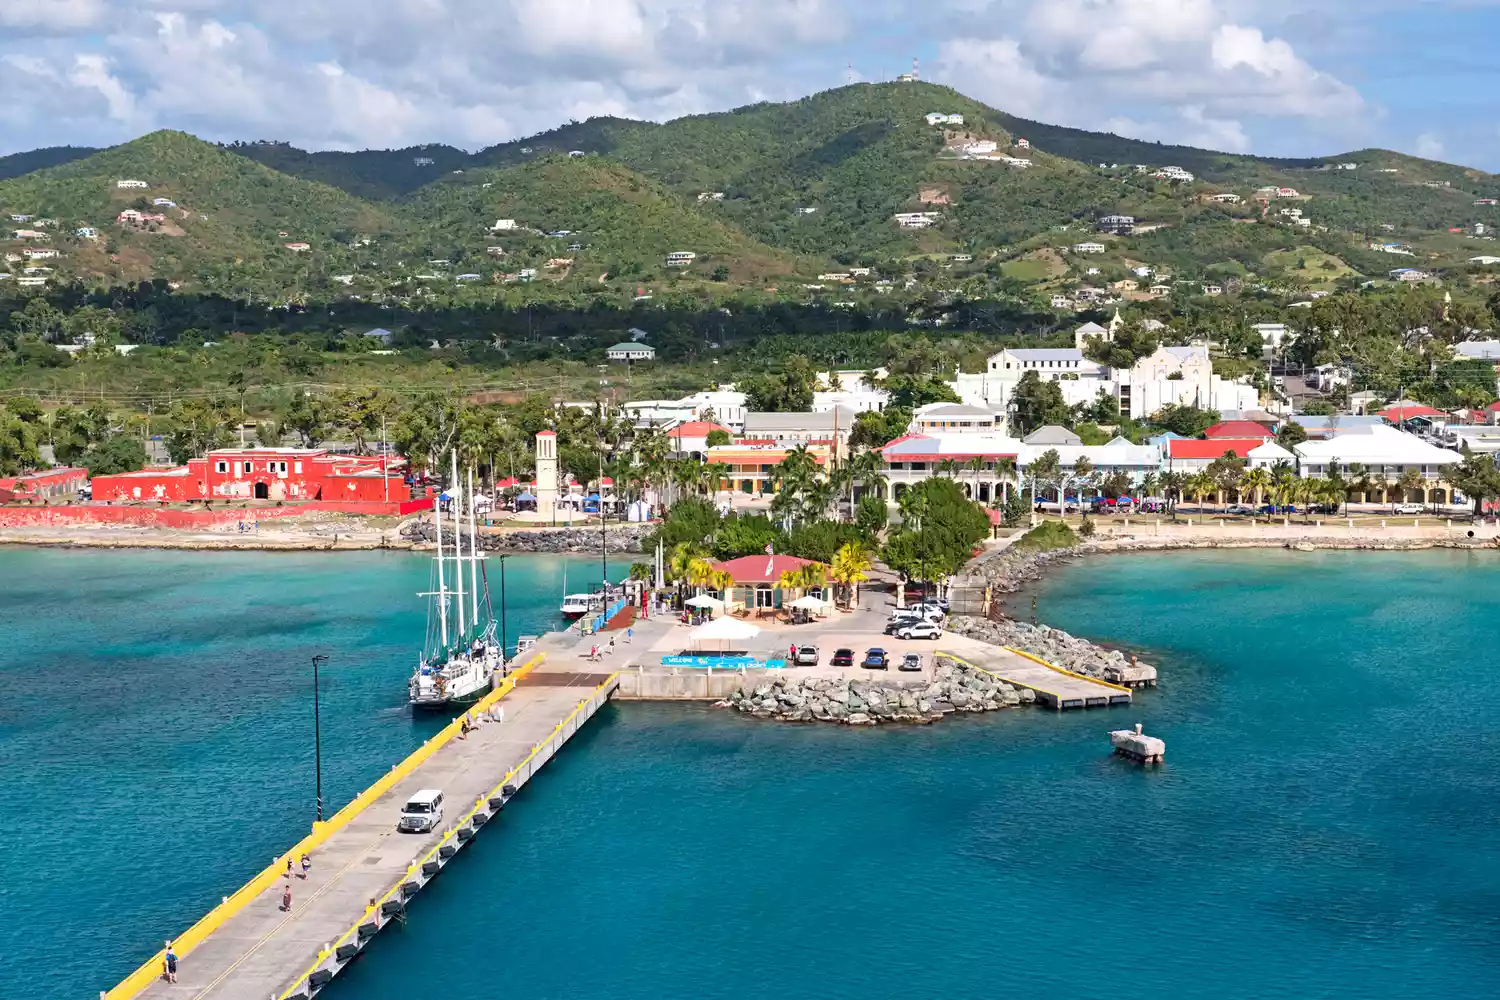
{"type": "Point", "coordinates": [617, 537]}
{"type": "Point", "coordinates": [953, 688]}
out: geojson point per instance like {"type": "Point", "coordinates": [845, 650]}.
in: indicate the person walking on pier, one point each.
{"type": "Point", "coordinates": [286, 898]}
{"type": "Point", "coordinates": [170, 961]}
{"type": "Point", "coordinates": [288, 875]}
{"type": "Point", "coordinates": [306, 866]}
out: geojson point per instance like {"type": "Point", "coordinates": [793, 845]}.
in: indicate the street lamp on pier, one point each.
{"type": "Point", "coordinates": [318, 733]}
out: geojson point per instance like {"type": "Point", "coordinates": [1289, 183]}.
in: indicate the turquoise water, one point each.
{"type": "Point", "coordinates": [156, 730]}
{"type": "Point", "coordinates": [1325, 826]}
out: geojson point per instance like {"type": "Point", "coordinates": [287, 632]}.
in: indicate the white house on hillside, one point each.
{"type": "Point", "coordinates": [630, 351]}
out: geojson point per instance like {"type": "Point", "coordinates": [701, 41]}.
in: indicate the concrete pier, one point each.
{"type": "Point", "coordinates": [1055, 687]}
{"type": "Point", "coordinates": [365, 872]}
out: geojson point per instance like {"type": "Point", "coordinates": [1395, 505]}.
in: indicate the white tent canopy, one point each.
{"type": "Point", "coordinates": [810, 603]}
{"type": "Point", "coordinates": [706, 602]}
{"type": "Point", "coordinates": [723, 633]}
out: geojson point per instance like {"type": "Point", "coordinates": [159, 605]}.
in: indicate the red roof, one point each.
{"type": "Point", "coordinates": [1238, 429]}
{"type": "Point", "coordinates": [547, 434]}
{"type": "Point", "coordinates": [696, 428]}
{"type": "Point", "coordinates": [1405, 411]}
{"type": "Point", "coordinates": [760, 568]}
{"type": "Point", "coordinates": [1494, 407]}
{"type": "Point", "coordinates": [1187, 448]}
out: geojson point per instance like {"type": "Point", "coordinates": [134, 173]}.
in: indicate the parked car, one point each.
{"type": "Point", "coordinates": [1271, 508]}
{"type": "Point", "coordinates": [911, 662]}
{"type": "Point", "coordinates": [875, 659]}
{"type": "Point", "coordinates": [807, 656]}
{"type": "Point", "coordinates": [900, 622]}
{"type": "Point", "coordinates": [921, 630]}
{"type": "Point", "coordinates": [842, 658]}
{"type": "Point", "coordinates": [1240, 508]}
{"type": "Point", "coordinates": [1409, 508]}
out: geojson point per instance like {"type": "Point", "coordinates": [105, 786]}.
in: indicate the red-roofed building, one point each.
{"type": "Point", "coordinates": [1187, 455]}
{"type": "Point", "coordinates": [51, 484]}
{"type": "Point", "coordinates": [757, 579]}
{"type": "Point", "coordinates": [1399, 413]}
{"type": "Point", "coordinates": [691, 437]}
{"type": "Point", "coordinates": [263, 474]}
{"type": "Point", "coordinates": [1238, 429]}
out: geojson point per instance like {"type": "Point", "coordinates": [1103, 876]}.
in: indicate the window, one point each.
{"type": "Point", "coordinates": [221, 466]}
{"type": "Point", "coordinates": [297, 467]}
{"type": "Point", "coordinates": [249, 467]}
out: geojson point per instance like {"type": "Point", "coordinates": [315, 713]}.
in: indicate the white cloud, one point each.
{"type": "Point", "coordinates": [1428, 146]}
{"type": "Point", "coordinates": [1093, 61]}
{"type": "Point", "coordinates": [50, 16]}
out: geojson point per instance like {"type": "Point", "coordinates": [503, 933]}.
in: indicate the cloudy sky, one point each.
{"type": "Point", "coordinates": [1265, 76]}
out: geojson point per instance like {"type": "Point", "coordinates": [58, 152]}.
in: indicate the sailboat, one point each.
{"type": "Point", "coordinates": [461, 654]}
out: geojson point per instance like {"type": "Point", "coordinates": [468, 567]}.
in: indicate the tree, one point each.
{"type": "Point", "coordinates": [196, 427]}
{"type": "Point", "coordinates": [691, 521]}
{"type": "Point", "coordinates": [1130, 343]}
{"type": "Point", "coordinates": [1225, 472]}
{"type": "Point", "coordinates": [120, 453]}
{"type": "Point", "coordinates": [75, 431]}
{"type": "Point", "coordinates": [718, 437]}
{"type": "Point", "coordinates": [309, 417]}
{"type": "Point", "coordinates": [849, 568]}
{"type": "Point", "coordinates": [18, 444]}
{"type": "Point", "coordinates": [1319, 408]}
{"type": "Point", "coordinates": [912, 391]}
{"type": "Point", "coordinates": [787, 390]}
{"type": "Point", "coordinates": [820, 539]}
{"type": "Point", "coordinates": [1036, 403]}
{"type": "Point", "coordinates": [872, 516]}
{"type": "Point", "coordinates": [1411, 482]}
{"type": "Point", "coordinates": [1291, 435]}
{"type": "Point", "coordinates": [1046, 471]}
{"type": "Point", "coordinates": [1189, 421]}
{"type": "Point", "coordinates": [743, 534]}
{"type": "Point", "coordinates": [939, 530]}
{"type": "Point", "coordinates": [1477, 477]}
{"type": "Point", "coordinates": [1258, 481]}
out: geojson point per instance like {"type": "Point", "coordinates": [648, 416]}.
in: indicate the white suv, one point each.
{"type": "Point", "coordinates": [1409, 508]}
{"type": "Point", "coordinates": [920, 630]}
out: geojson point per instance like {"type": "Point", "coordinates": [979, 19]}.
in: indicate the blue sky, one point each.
{"type": "Point", "coordinates": [1269, 76]}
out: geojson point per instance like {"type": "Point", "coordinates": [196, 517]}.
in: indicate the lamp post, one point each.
{"type": "Point", "coordinates": [318, 734]}
{"type": "Point", "coordinates": [504, 641]}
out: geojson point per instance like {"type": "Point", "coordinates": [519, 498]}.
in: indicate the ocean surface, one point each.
{"type": "Point", "coordinates": [156, 729]}
{"type": "Point", "coordinates": [1327, 823]}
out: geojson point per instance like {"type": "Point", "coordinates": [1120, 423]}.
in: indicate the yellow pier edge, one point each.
{"type": "Point", "coordinates": [151, 970]}
{"type": "Point", "coordinates": [452, 832]}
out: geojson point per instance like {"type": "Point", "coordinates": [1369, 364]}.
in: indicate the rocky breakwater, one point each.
{"type": "Point", "coordinates": [617, 537]}
{"type": "Point", "coordinates": [859, 702]}
{"type": "Point", "coordinates": [1057, 647]}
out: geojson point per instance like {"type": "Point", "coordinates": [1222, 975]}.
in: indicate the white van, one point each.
{"type": "Point", "coordinates": [423, 812]}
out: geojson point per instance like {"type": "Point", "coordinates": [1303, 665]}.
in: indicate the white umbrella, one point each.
{"type": "Point", "coordinates": [704, 601]}
{"type": "Point", "coordinates": [810, 603]}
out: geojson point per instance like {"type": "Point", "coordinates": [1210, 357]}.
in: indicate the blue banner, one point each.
{"type": "Point", "coordinates": [721, 662]}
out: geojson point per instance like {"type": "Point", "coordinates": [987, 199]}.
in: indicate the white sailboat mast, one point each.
{"type": "Point", "coordinates": [458, 549]}
{"type": "Point", "coordinates": [442, 591]}
{"type": "Point", "coordinates": [474, 556]}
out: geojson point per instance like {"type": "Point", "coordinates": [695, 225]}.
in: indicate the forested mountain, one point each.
{"type": "Point", "coordinates": [762, 193]}
{"type": "Point", "coordinates": [17, 164]}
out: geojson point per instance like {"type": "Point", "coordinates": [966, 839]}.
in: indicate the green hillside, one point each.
{"type": "Point", "coordinates": [370, 174]}
{"type": "Point", "coordinates": [624, 223]}
{"type": "Point", "coordinates": [227, 226]}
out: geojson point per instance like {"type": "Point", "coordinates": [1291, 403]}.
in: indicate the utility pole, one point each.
{"type": "Point", "coordinates": [318, 734]}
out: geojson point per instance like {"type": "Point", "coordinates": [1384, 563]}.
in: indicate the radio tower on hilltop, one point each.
{"type": "Point", "coordinates": [916, 72]}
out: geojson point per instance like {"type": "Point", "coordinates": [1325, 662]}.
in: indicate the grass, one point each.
{"type": "Point", "coordinates": [1322, 268]}
{"type": "Point", "coordinates": [1047, 536]}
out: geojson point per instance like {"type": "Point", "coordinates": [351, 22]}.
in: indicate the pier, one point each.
{"type": "Point", "coordinates": [1055, 687]}
{"type": "Point", "coordinates": [364, 872]}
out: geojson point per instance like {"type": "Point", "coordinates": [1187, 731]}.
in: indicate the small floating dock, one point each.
{"type": "Point", "coordinates": [1135, 745]}
{"type": "Point", "coordinates": [1055, 687]}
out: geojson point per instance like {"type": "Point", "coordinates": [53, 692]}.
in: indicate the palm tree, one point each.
{"type": "Point", "coordinates": [1005, 472]}
{"type": "Point", "coordinates": [868, 467]}
{"type": "Point", "coordinates": [1257, 479]}
{"type": "Point", "coordinates": [1172, 485]}
{"type": "Point", "coordinates": [851, 564]}
{"type": "Point", "coordinates": [723, 581]}
{"type": "Point", "coordinates": [1410, 482]}
{"type": "Point", "coordinates": [1199, 485]}
{"type": "Point", "coordinates": [1150, 483]}
{"type": "Point", "coordinates": [684, 563]}
{"type": "Point", "coordinates": [975, 466]}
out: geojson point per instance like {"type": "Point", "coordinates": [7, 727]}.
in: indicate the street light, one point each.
{"type": "Point", "coordinates": [318, 733]}
{"type": "Point", "coordinates": [504, 640]}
